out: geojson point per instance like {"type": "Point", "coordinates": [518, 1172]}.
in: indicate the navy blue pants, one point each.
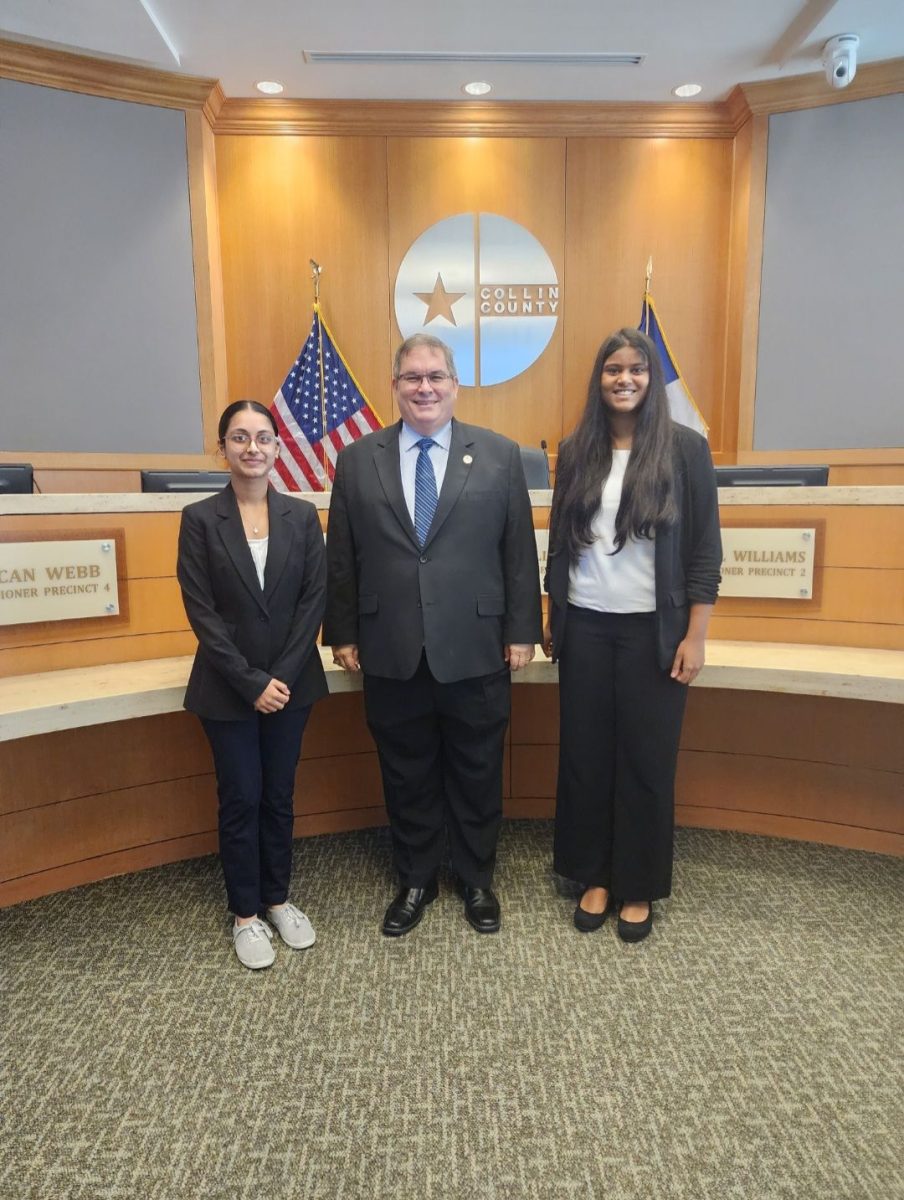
{"type": "Point", "coordinates": [255, 762]}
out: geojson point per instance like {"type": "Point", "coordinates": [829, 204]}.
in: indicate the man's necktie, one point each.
{"type": "Point", "coordinates": [424, 490]}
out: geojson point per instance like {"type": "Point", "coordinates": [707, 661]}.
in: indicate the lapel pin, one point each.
{"type": "Point", "coordinates": [467, 459]}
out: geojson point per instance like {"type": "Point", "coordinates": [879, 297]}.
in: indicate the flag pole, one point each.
{"type": "Point", "coordinates": [646, 295]}
{"type": "Point", "coordinates": [316, 271]}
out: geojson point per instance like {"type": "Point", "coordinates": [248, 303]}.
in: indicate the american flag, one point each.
{"type": "Point", "coordinates": [319, 371]}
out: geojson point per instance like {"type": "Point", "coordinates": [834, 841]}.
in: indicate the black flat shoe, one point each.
{"type": "Point", "coordinates": [481, 909]}
{"type": "Point", "coordinates": [407, 909]}
{"type": "Point", "coordinates": [635, 931]}
{"type": "Point", "coordinates": [588, 922]}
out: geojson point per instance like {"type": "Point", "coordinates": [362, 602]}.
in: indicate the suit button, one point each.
{"type": "Point", "coordinates": [261, 617]}
{"type": "Point", "coordinates": [423, 559]}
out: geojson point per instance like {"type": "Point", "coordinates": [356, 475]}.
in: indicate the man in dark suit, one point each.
{"type": "Point", "coordinates": [433, 592]}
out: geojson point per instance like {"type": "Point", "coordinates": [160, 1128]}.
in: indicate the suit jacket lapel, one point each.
{"type": "Point", "coordinates": [457, 472]}
{"type": "Point", "coordinates": [389, 471]}
{"type": "Point", "coordinates": [233, 537]}
{"type": "Point", "coordinates": [281, 538]}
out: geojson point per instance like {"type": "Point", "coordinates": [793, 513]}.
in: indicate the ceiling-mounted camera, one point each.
{"type": "Point", "coordinates": [839, 57]}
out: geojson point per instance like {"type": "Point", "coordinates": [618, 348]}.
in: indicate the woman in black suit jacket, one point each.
{"type": "Point", "coordinates": [633, 572]}
{"type": "Point", "coordinates": [253, 577]}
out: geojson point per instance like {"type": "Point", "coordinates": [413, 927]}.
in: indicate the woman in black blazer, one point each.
{"type": "Point", "coordinates": [633, 572]}
{"type": "Point", "coordinates": [253, 577]}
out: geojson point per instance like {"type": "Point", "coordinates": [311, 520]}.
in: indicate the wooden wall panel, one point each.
{"type": "Point", "coordinates": [628, 199]}
{"type": "Point", "coordinates": [283, 201]}
{"type": "Point", "coordinates": [522, 179]}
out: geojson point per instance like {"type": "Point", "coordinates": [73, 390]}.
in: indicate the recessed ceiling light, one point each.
{"type": "Point", "coordinates": [269, 87]}
{"type": "Point", "coordinates": [687, 89]}
{"type": "Point", "coordinates": [477, 88]}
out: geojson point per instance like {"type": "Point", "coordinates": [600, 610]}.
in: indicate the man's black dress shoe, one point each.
{"type": "Point", "coordinates": [481, 909]}
{"type": "Point", "coordinates": [635, 931]}
{"type": "Point", "coordinates": [408, 908]}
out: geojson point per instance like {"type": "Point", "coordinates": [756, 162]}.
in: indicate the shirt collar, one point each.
{"type": "Point", "coordinates": [409, 437]}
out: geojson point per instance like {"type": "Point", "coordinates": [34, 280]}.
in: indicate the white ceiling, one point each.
{"type": "Point", "coordinates": [717, 43]}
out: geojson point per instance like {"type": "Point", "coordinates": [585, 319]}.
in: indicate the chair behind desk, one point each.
{"type": "Point", "coordinates": [536, 467]}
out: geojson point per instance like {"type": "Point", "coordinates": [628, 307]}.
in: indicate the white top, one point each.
{"type": "Point", "coordinates": [258, 548]}
{"type": "Point", "coordinates": [607, 582]}
{"type": "Point", "coordinates": [408, 456]}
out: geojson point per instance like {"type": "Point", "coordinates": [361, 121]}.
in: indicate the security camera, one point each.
{"type": "Point", "coordinates": [839, 57]}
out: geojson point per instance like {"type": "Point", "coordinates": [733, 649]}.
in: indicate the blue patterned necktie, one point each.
{"type": "Point", "coordinates": [424, 490]}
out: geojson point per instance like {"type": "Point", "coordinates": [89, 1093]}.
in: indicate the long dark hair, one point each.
{"type": "Point", "coordinates": [240, 406]}
{"type": "Point", "coordinates": [585, 460]}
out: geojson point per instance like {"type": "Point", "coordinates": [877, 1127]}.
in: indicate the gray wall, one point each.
{"type": "Point", "coordinates": [98, 327]}
{"type": "Point", "coordinates": [831, 331]}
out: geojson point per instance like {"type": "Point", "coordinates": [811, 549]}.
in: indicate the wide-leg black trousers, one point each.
{"type": "Point", "coordinates": [441, 750]}
{"type": "Point", "coordinates": [620, 725]}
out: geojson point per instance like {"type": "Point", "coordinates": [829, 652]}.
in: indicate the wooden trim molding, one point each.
{"type": "Point", "coordinates": [205, 240]}
{"type": "Point", "coordinates": [859, 458]}
{"type": "Point", "coordinates": [403, 118]}
{"type": "Point", "coordinates": [753, 272]}
{"type": "Point", "coordinates": [59, 460]}
{"type": "Point", "coordinates": [29, 63]}
{"type": "Point", "coordinates": [812, 91]}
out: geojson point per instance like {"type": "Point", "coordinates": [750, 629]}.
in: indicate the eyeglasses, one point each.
{"type": "Point", "coordinates": [434, 378]}
{"type": "Point", "coordinates": [263, 441]}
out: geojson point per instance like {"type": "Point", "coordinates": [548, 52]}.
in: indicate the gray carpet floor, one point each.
{"type": "Point", "coordinates": [750, 1048]}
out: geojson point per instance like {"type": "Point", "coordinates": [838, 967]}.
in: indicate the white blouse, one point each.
{"type": "Point", "coordinates": [258, 548]}
{"type": "Point", "coordinates": [607, 582]}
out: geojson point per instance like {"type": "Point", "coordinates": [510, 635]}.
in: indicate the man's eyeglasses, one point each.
{"type": "Point", "coordinates": [263, 441]}
{"type": "Point", "coordinates": [434, 378]}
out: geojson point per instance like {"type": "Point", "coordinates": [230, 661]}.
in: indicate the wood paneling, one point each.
{"type": "Point", "coordinates": [283, 201]}
{"type": "Point", "coordinates": [629, 199]}
{"type": "Point", "coordinates": [523, 179]}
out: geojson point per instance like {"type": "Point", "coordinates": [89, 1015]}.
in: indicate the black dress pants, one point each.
{"type": "Point", "coordinates": [255, 762]}
{"type": "Point", "coordinates": [620, 725]}
{"type": "Point", "coordinates": [440, 747]}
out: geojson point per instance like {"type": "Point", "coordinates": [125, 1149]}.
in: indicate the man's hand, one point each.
{"type": "Point", "coordinates": [346, 657]}
{"type": "Point", "coordinates": [273, 698]}
{"type": "Point", "coordinates": [518, 656]}
{"type": "Point", "coordinates": [547, 638]}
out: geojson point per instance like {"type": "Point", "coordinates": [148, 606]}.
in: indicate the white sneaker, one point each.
{"type": "Point", "coordinates": [252, 944]}
{"type": "Point", "coordinates": [292, 926]}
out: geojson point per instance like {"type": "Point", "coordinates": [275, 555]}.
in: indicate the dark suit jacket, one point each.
{"type": "Point", "coordinates": [471, 589]}
{"type": "Point", "coordinates": [248, 636]}
{"type": "Point", "coordinates": [688, 554]}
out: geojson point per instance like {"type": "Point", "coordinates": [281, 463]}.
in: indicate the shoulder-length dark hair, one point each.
{"type": "Point", "coordinates": [241, 406]}
{"type": "Point", "coordinates": [585, 460]}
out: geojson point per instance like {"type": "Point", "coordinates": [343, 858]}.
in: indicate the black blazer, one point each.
{"type": "Point", "coordinates": [248, 636]}
{"type": "Point", "coordinates": [687, 556]}
{"type": "Point", "coordinates": [472, 588]}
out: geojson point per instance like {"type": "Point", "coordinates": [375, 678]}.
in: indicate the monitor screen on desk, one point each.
{"type": "Point", "coordinates": [183, 481]}
{"type": "Point", "coordinates": [16, 478]}
{"type": "Point", "coordinates": [807, 476]}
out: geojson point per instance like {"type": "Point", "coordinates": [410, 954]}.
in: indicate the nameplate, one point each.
{"type": "Point", "coordinates": [775, 563]}
{"type": "Point", "coordinates": [57, 580]}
